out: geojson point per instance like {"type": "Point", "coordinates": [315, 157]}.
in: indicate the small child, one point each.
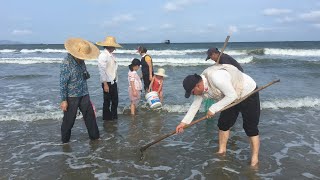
{"type": "Point", "coordinates": [135, 85]}
{"type": "Point", "coordinates": [157, 83]}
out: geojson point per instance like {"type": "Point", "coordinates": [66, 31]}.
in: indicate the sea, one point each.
{"type": "Point", "coordinates": [30, 117]}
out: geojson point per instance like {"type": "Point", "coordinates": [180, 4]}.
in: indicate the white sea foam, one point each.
{"type": "Point", "coordinates": [310, 176]}
{"type": "Point", "coordinates": [195, 174]}
{"type": "Point", "coordinates": [43, 50]}
{"type": "Point", "coordinates": [183, 52]}
{"type": "Point", "coordinates": [7, 50]}
{"type": "Point", "coordinates": [163, 52]}
{"type": "Point", "coordinates": [46, 154]}
{"type": "Point", "coordinates": [50, 111]}
{"type": "Point", "coordinates": [292, 52]}
{"type": "Point", "coordinates": [230, 170]}
{"type": "Point", "coordinates": [30, 60]}
{"type": "Point", "coordinates": [291, 103]}
{"type": "Point", "coordinates": [122, 61]}
{"type": "Point", "coordinates": [149, 168]}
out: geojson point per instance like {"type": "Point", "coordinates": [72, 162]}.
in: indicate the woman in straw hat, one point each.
{"type": "Point", "coordinates": [73, 87]}
{"type": "Point", "coordinates": [157, 83]}
{"type": "Point", "coordinates": [108, 76]}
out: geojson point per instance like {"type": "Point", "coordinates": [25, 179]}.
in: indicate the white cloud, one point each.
{"type": "Point", "coordinates": [142, 29]}
{"type": "Point", "coordinates": [179, 4]}
{"type": "Point", "coordinates": [285, 19]}
{"type": "Point", "coordinates": [311, 16]}
{"type": "Point", "coordinates": [211, 26]}
{"type": "Point", "coordinates": [263, 29]}
{"type": "Point", "coordinates": [117, 20]}
{"type": "Point", "coordinates": [21, 32]}
{"type": "Point", "coordinates": [166, 26]}
{"type": "Point", "coordinates": [316, 25]}
{"type": "Point", "coordinates": [276, 12]}
{"type": "Point", "coordinates": [233, 29]}
{"type": "Point", "coordinates": [255, 28]}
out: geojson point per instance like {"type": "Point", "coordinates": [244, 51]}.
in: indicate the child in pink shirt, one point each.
{"type": "Point", "coordinates": [135, 85]}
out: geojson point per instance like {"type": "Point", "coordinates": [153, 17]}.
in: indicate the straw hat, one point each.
{"type": "Point", "coordinates": [161, 72]}
{"type": "Point", "coordinates": [109, 41]}
{"type": "Point", "coordinates": [81, 49]}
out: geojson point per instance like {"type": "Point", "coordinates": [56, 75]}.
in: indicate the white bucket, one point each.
{"type": "Point", "coordinates": [153, 99]}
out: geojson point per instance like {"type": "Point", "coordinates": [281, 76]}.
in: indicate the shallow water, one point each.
{"type": "Point", "coordinates": [30, 118]}
{"type": "Point", "coordinates": [33, 149]}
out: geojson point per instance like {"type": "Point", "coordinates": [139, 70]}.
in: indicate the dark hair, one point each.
{"type": "Point", "coordinates": [134, 62]}
{"type": "Point", "coordinates": [142, 49]}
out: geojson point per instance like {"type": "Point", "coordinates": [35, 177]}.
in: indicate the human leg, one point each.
{"type": "Point", "coordinates": [226, 120]}
{"type": "Point", "coordinates": [146, 82]}
{"type": "Point", "coordinates": [161, 96]}
{"type": "Point", "coordinates": [133, 108]}
{"type": "Point", "coordinates": [250, 109]}
{"type": "Point", "coordinates": [106, 115]}
{"type": "Point", "coordinates": [114, 100]}
{"type": "Point", "coordinates": [69, 117]}
{"type": "Point", "coordinates": [223, 140]}
{"type": "Point", "coordinates": [89, 117]}
{"type": "Point", "coordinates": [255, 146]}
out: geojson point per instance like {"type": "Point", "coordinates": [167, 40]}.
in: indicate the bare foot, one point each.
{"type": "Point", "coordinates": [254, 163]}
{"type": "Point", "coordinates": [221, 153]}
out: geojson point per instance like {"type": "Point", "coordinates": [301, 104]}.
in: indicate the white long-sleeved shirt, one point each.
{"type": "Point", "coordinates": [221, 80]}
{"type": "Point", "coordinates": [108, 67]}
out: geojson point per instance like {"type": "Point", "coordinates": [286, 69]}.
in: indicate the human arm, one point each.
{"type": "Point", "coordinates": [190, 114]}
{"type": "Point", "coordinates": [151, 84]}
{"type": "Point", "coordinates": [160, 87]}
{"type": "Point", "coordinates": [149, 62]}
{"type": "Point", "coordinates": [64, 106]}
{"type": "Point", "coordinates": [64, 79]}
{"type": "Point", "coordinates": [104, 76]}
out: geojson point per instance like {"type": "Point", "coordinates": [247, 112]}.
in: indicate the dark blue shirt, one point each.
{"type": "Point", "coordinates": [72, 82]}
{"type": "Point", "coordinates": [226, 59]}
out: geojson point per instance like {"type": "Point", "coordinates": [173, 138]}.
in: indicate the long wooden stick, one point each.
{"type": "Point", "coordinates": [143, 148]}
{"type": "Point", "coordinates": [224, 46]}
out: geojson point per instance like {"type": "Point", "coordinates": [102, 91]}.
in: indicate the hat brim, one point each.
{"type": "Point", "coordinates": [159, 74]}
{"type": "Point", "coordinates": [72, 47]}
{"type": "Point", "coordinates": [109, 44]}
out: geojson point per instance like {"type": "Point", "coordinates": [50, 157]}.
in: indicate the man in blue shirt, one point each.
{"type": "Point", "coordinates": [74, 89]}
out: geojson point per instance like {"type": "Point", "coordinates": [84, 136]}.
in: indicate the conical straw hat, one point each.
{"type": "Point", "coordinates": [81, 49]}
{"type": "Point", "coordinates": [109, 41]}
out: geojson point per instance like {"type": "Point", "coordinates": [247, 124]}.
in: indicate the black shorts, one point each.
{"type": "Point", "coordinates": [250, 110]}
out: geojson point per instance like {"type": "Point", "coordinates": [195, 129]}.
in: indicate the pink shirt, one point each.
{"type": "Point", "coordinates": [133, 76]}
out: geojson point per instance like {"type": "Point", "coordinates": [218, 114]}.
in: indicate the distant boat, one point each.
{"type": "Point", "coordinates": [167, 41]}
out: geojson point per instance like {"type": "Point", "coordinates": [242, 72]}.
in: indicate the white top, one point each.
{"type": "Point", "coordinates": [133, 76]}
{"type": "Point", "coordinates": [222, 80]}
{"type": "Point", "coordinates": [107, 67]}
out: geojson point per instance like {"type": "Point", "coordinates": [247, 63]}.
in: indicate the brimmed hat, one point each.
{"type": "Point", "coordinates": [161, 72]}
{"type": "Point", "coordinates": [189, 83]}
{"type": "Point", "coordinates": [210, 51]}
{"type": "Point", "coordinates": [81, 49]}
{"type": "Point", "coordinates": [109, 41]}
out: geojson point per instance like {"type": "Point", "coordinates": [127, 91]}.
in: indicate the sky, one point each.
{"type": "Point", "coordinates": [153, 21]}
